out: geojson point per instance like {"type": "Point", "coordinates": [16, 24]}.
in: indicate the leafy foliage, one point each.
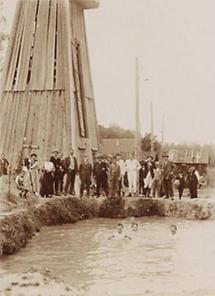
{"type": "Point", "coordinates": [115, 132]}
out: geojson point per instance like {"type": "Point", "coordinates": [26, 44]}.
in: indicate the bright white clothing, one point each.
{"type": "Point", "coordinates": [121, 164]}
{"type": "Point", "coordinates": [72, 163]}
{"type": "Point", "coordinates": [132, 166]}
{"type": "Point", "coordinates": [48, 166]}
{"type": "Point", "coordinates": [132, 182]}
{"type": "Point", "coordinates": [148, 181]}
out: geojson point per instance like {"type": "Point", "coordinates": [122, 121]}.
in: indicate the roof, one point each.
{"type": "Point", "coordinates": [114, 146]}
{"type": "Point", "coordinates": [189, 155]}
{"type": "Point", "coordinates": [88, 4]}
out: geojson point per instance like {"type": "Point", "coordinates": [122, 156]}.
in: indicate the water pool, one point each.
{"type": "Point", "coordinates": [153, 262]}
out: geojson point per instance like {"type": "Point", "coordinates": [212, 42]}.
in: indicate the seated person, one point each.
{"type": "Point", "coordinates": [22, 182]}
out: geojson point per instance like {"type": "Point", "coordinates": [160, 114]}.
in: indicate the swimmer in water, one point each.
{"type": "Point", "coordinates": [119, 234]}
{"type": "Point", "coordinates": [173, 229]}
{"type": "Point", "coordinates": [134, 226]}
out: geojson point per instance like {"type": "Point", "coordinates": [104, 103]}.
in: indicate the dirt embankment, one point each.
{"type": "Point", "coordinates": [21, 218]}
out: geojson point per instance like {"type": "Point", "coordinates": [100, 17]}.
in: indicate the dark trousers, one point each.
{"type": "Point", "coordinates": [85, 183]}
{"type": "Point", "coordinates": [101, 181]}
{"type": "Point", "coordinates": [168, 190]}
{"type": "Point", "coordinates": [193, 190]}
{"type": "Point", "coordinates": [141, 187]}
{"type": "Point", "coordinates": [180, 191]}
{"type": "Point", "coordinates": [61, 177]}
{"type": "Point", "coordinates": [70, 181]}
{"type": "Point", "coordinates": [56, 182]}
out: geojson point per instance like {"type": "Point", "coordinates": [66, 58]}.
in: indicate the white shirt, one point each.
{"type": "Point", "coordinates": [48, 166]}
{"type": "Point", "coordinates": [132, 165]}
{"type": "Point", "coordinates": [121, 164]}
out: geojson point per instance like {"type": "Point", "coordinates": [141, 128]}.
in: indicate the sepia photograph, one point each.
{"type": "Point", "coordinates": [107, 148]}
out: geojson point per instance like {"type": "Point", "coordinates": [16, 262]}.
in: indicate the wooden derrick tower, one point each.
{"type": "Point", "coordinates": [47, 99]}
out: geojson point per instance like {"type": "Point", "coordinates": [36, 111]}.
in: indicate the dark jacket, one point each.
{"type": "Point", "coordinates": [85, 171]}
{"type": "Point", "coordinates": [192, 180]}
{"type": "Point", "coordinates": [168, 170]}
{"type": "Point", "coordinates": [67, 162]}
{"type": "Point", "coordinates": [100, 169]}
{"type": "Point", "coordinates": [57, 163]}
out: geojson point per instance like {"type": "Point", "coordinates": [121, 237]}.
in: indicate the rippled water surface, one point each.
{"type": "Point", "coordinates": [153, 262]}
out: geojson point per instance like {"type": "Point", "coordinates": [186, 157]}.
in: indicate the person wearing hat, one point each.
{"type": "Point", "coordinates": [22, 182]}
{"type": "Point", "coordinates": [71, 169]}
{"type": "Point", "coordinates": [85, 172]}
{"type": "Point", "coordinates": [4, 164]}
{"type": "Point", "coordinates": [168, 174]}
{"type": "Point", "coordinates": [34, 172]}
{"type": "Point", "coordinates": [132, 169]}
{"type": "Point", "coordinates": [100, 173]}
{"type": "Point", "coordinates": [157, 181]}
{"type": "Point", "coordinates": [148, 175]}
{"type": "Point", "coordinates": [114, 177]}
{"type": "Point", "coordinates": [55, 159]}
{"type": "Point", "coordinates": [192, 182]}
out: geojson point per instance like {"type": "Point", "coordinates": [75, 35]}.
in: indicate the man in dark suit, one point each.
{"type": "Point", "coordinates": [55, 159]}
{"type": "Point", "coordinates": [85, 172]}
{"type": "Point", "coordinates": [71, 169]}
{"type": "Point", "coordinates": [168, 174]}
{"type": "Point", "coordinates": [100, 172]}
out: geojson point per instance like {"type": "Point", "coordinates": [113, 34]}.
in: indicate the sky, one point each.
{"type": "Point", "coordinates": [174, 41]}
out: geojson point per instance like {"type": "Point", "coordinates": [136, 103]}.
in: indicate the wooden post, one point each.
{"type": "Point", "coordinates": [137, 115]}
{"type": "Point", "coordinates": [152, 130]}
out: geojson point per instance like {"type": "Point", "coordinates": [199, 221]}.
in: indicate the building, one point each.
{"type": "Point", "coordinates": [47, 98]}
{"type": "Point", "coordinates": [187, 157]}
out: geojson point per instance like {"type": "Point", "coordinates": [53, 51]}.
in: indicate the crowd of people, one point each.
{"type": "Point", "coordinates": [111, 176]}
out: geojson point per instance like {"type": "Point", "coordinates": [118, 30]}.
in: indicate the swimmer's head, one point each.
{"type": "Point", "coordinates": [173, 229]}
{"type": "Point", "coordinates": [134, 226]}
{"type": "Point", "coordinates": [119, 227]}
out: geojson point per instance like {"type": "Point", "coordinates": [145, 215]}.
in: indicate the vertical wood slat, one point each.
{"type": "Point", "coordinates": [5, 112]}
{"type": "Point", "coordinates": [11, 127]}
{"type": "Point", "coordinates": [16, 136]}
{"type": "Point", "coordinates": [43, 113]}
{"type": "Point", "coordinates": [15, 51]}
{"type": "Point", "coordinates": [48, 123]}
{"type": "Point", "coordinates": [10, 47]}
{"type": "Point", "coordinates": [25, 54]}
{"type": "Point", "coordinates": [51, 47]}
{"type": "Point", "coordinates": [39, 57]}
{"type": "Point", "coordinates": [60, 48]}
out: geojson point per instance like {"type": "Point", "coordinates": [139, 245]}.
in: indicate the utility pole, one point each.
{"type": "Point", "coordinates": [152, 130]}
{"type": "Point", "coordinates": [137, 115]}
{"type": "Point", "coordinates": [163, 128]}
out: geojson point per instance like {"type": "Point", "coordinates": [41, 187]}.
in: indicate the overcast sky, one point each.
{"type": "Point", "coordinates": [175, 43]}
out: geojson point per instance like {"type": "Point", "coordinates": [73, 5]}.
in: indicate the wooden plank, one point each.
{"type": "Point", "coordinates": [8, 57]}
{"type": "Point", "coordinates": [5, 113]}
{"type": "Point", "coordinates": [48, 124]}
{"type": "Point", "coordinates": [51, 47]}
{"type": "Point", "coordinates": [29, 30]}
{"type": "Point", "coordinates": [43, 109]}
{"type": "Point", "coordinates": [60, 48]}
{"type": "Point", "coordinates": [11, 126]}
{"type": "Point", "coordinates": [39, 57]}
{"type": "Point", "coordinates": [16, 48]}
{"type": "Point", "coordinates": [16, 137]}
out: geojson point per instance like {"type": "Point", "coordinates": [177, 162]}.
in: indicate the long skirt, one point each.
{"type": "Point", "coordinates": [46, 184]}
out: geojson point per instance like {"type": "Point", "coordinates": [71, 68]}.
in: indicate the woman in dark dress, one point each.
{"type": "Point", "coordinates": [47, 178]}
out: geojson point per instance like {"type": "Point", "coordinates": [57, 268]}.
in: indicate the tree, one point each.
{"type": "Point", "coordinates": [146, 143]}
{"type": "Point", "coordinates": [115, 132]}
